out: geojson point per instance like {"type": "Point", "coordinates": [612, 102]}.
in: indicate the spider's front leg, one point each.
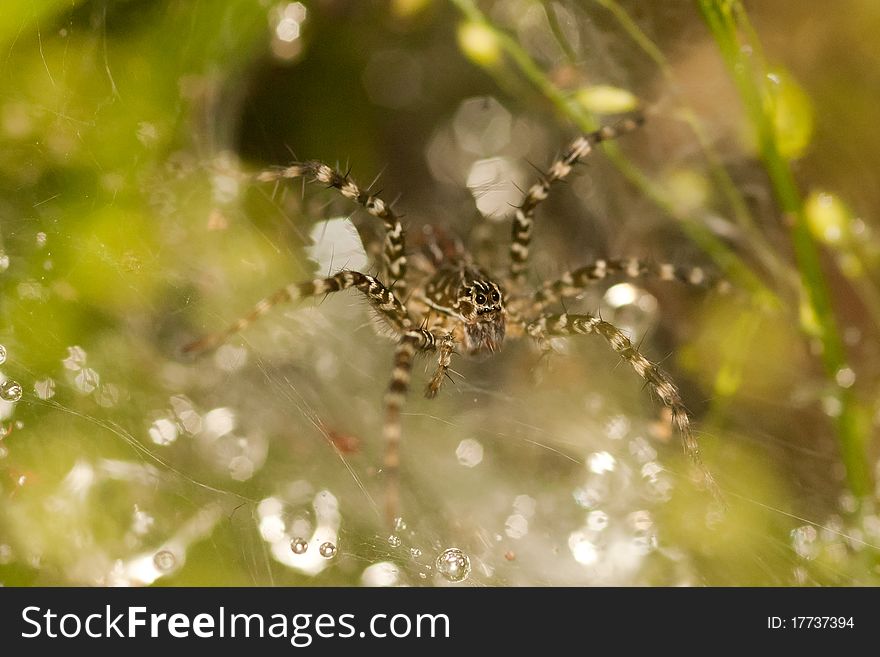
{"type": "Point", "coordinates": [394, 246]}
{"type": "Point", "coordinates": [411, 343]}
{"type": "Point", "coordinates": [521, 235]}
{"type": "Point", "coordinates": [445, 349]}
{"type": "Point", "coordinates": [567, 325]}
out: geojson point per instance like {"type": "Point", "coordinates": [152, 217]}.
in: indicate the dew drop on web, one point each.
{"type": "Point", "coordinates": [164, 560]}
{"type": "Point", "coordinates": [10, 390]}
{"type": "Point", "coordinates": [454, 565]}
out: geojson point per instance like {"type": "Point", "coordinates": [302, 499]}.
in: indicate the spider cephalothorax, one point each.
{"type": "Point", "coordinates": [481, 306]}
{"type": "Point", "coordinates": [462, 292]}
{"type": "Point", "coordinates": [452, 304]}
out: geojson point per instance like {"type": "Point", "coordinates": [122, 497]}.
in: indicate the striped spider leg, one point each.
{"type": "Point", "coordinates": [570, 284]}
{"type": "Point", "coordinates": [661, 384]}
{"type": "Point", "coordinates": [524, 217]}
{"type": "Point", "coordinates": [410, 342]}
{"type": "Point", "coordinates": [386, 301]}
{"type": "Point", "coordinates": [576, 281]}
{"type": "Point", "coordinates": [456, 303]}
{"type": "Point", "coordinates": [447, 303]}
{"type": "Point", "coordinates": [393, 254]}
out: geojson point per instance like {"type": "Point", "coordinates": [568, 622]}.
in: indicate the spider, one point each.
{"type": "Point", "coordinates": [449, 304]}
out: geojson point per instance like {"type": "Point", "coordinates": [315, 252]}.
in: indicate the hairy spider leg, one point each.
{"type": "Point", "coordinates": [380, 298]}
{"type": "Point", "coordinates": [568, 325]}
{"type": "Point", "coordinates": [521, 234]}
{"type": "Point", "coordinates": [456, 302]}
{"type": "Point", "coordinates": [574, 282]}
{"type": "Point", "coordinates": [411, 343]}
{"type": "Point", "coordinates": [393, 254]}
{"type": "Point", "coordinates": [445, 349]}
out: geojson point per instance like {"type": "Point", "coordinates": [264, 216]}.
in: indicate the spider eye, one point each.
{"type": "Point", "coordinates": [480, 299]}
{"type": "Point", "coordinates": [496, 297]}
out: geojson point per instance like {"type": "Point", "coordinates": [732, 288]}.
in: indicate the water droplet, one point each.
{"type": "Point", "coordinates": [218, 422]}
{"type": "Point", "coordinates": [617, 427]}
{"type": "Point", "coordinates": [45, 388]}
{"type": "Point", "coordinates": [582, 549]}
{"type": "Point", "coordinates": [76, 358]}
{"type": "Point", "coordinates": [641, 520]}
{"type": "Point", "coordinates": [10, 390]}
{"type": "Point", "coordinates": [163, 432]}
{"type": "Point", "coordinates": [804, 541]}
{"type": "Point", "coordinates": [525, 505]}
{"type": "Point", "coordinates": [832, 405]}
{"type": "Point", "coordinates": [300, 545]}
{"type": "Point", "coordinates": [601, 462]}
{"type": "Point", "coordinates": [399, 524]}
{"type": "Point", "coordinates": [492, 196]}
{"type": "Point", "coordinates": [415, 552]}
{"type": "Point", "coordinates": [164, 560]}
{"type": "Point", "coordinates": [852, 335]}
{"type": "Point", "coordinates": [241, 467]}
{"type": "Point", "coordinates": [597, 520]}
{"type": "Point", "coordinates": [848, 502]}
{"type": "Point", "coordinates": [2, 354]}
{"type": "Point", "coordinates": [327, 550]}
{"type": "Point", "coordinates": [454, 565]}
{"type": "Point", "coordinates": [516, 526]}
{"type": "Point", "coordinates": [287, 19]}
{"type": "Point", "coordinates": [394, 540]}
{"type": "Point", "coordinates": [87, 380]}
{"type": "Point", "coordinates": [845, 377]}
{"type": "Point", "coordinates": [147, 133]}
{"type": "Point", "coordinates": [469, 453]}
{"type": "Point", "coordinates": [482, 126]}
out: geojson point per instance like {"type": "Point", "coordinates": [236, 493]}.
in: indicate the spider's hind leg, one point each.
{"type": "Point", "coordinates": [411, 343]}
{"type": "Point", "coordinates": [379, 297]}
{"type": "Point", "coordinates": [660, 383]}
{"type": "Point", "coordinates": [574, 282]}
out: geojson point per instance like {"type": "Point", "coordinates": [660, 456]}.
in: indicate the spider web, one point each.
{"type": "Point", "coordinates": [125, 463]}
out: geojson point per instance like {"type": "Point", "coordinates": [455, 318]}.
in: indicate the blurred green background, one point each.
{"type": "Point", "coordinates": [130, 225]}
